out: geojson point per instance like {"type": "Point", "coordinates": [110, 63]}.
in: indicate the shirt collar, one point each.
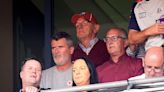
{"type": "Point", "coordinates": [122, 57]}
{"type": "Point", "coordinates": [91, 43]}
{"type": "Point", "coordinates": [20, 90]}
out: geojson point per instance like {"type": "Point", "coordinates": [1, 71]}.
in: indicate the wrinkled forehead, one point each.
{"type": "Point", "coordinates": [156, 62]}
{"type": "Point", "coordinates": [113, 32]}
{"type": "Point", "coordinates": [154, 55]}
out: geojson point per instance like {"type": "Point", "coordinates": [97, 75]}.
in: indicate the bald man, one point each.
{"type": "Point", "coordinates": [153, 63]}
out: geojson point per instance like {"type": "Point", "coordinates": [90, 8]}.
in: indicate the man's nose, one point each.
{"type": "Point", "coordinates": [77, 73]}
{"type": "Point", "coordinates": [80, 26]}
{"type": "Point", "coordinates": [109, 42]}
{"type": "Point", "coordinates": [34, 70]}
{"type": "Point", "coordinates": [152, 72]}
{"type": "Point", "coordinates": [56, 50]}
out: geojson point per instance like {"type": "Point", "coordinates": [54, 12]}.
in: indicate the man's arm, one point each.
{"type": "Point", "coordinates": [136, 36]}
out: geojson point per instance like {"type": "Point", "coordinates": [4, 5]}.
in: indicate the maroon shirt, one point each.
{"type": "Point", "coordinates": [98, 53]}
{"type": "Point", "coordinates": [125, 68]}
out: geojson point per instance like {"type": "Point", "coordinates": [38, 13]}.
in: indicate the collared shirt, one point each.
{"type": "Point", "coordinates": [91, 44]}
{"type": "Point", "coordinates": [98, 54]}
{"type": "Point", "coordinates": [125, 68]}
{"type": "Point", "coordinates": [20, 90]}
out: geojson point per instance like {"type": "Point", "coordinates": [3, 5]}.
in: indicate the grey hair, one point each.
{"type": "Point", "coordinates": [121, 30]}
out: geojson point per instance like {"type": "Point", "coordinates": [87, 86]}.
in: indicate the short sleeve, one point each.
{"type": "Point", "coordinates": [133, 22]}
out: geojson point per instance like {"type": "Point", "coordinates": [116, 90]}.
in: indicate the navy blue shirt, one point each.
{"type": "Point", "coordinates": [133, 22]}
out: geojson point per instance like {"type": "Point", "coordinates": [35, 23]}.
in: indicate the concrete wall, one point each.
{"type": "Point", "coordinates": [6, 46]}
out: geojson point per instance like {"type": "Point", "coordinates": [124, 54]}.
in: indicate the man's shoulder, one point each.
{"type": "Point", "coordinates": [100, 44]}
{"type": "Point", "coordinates": [103, 66]}
{"type": "Point", "coordinates": [133, 59]}
{"type": "Point", "coordinates": [100, 41]}
{"type": "Point", "coordinates": [49, 69]}
{"type": "Point", "coordinates": [137, 62]}
{"type": "Point", "coordinates": [130, 58]}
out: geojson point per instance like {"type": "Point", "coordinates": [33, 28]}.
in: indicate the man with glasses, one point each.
{"type": "Point", "coordinates": [153, 63]}
{"type": "Point", "coordinates": [121, 66]}
{"type": "Point", "coordinates": [89, 45]}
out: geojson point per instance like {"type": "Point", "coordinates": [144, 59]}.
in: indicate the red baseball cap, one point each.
{"type": "Point", "coordinates": [86, 15]}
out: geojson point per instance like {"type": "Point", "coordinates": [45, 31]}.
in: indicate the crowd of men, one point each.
{"type": "Point", "coordinates": [110, 57]}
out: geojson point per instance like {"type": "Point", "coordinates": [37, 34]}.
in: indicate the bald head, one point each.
{"type": "Point", "coordinates": [155, 54]}
{"type": "Point", "coordinates": [154, 60]}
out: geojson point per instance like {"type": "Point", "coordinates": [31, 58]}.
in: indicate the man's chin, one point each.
{"type": "Point", "coordinates": [33, 80]}
{"type": "Point", "coordinates": [60, 64]}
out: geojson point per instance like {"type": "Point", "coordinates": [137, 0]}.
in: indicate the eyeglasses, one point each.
{"type": "Point", "coordinates": [81, 25]}
{"type": "Point", "coordinates": [113, 38]}
{"type": "Point", "coordinates": [155, 69]}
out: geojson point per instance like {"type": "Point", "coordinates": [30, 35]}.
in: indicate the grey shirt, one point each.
{"type": "Point", "coordinates": [54, 79]}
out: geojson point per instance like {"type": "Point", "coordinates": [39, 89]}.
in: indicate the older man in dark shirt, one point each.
{"type": "Point", "coordinates": [89, 44]}
{"type": "Point", "coordinates": [121, 66]}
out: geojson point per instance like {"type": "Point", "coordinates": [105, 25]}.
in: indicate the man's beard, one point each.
{"type": "Point", "coordinates": [60, 59]}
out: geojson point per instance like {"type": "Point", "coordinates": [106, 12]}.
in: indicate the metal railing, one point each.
{"type": "Point", "coordinates": [118, 85]}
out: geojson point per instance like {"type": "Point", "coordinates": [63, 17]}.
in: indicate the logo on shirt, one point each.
{"type": "Point", "coordinates": [69, 83]}
{"type": "Point", "coordinates": [142, 15]}
{"type": "Point", "coordinates": [159, 10]}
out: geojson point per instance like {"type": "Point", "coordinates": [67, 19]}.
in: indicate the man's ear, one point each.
{"type": "Point", "coordinates": [126, 43]}
{"type": "Point", "coordinates": [20, 74]}
{"type": "Point", "coordinates": [96, 28]}
{"type": "Point", "coordinates": [72, 49]}
{"type": "Point", "coordinates": [143, 64]}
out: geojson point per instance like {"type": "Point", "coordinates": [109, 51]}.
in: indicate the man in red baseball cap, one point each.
{"type": "Point", "coordinates": [86, 15]}
{"type": "Point", "coordinates": [89, 45]}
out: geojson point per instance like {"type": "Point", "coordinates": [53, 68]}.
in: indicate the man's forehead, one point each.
{"type": "Point", "coordinates": [112, 33]}
{"type": "Point", "coordinates": [32, 63]}
{"type": "Point", "coordinates": [154, 59]}
{"type": "Point", "coordinates": [153, 63]}
{"type": "Point", "coordinates": [81, 19]}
